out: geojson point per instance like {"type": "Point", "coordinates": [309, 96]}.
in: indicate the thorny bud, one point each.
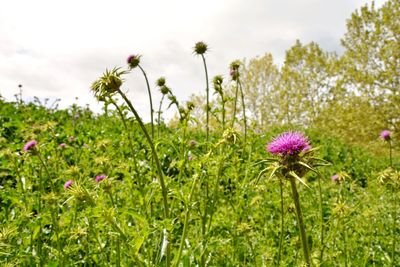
{"type": "Point", "coordinates": [234, 69]}
{"type": "Point", "coordinates": [217, 81]}
{"type": "Point", "coordinates": [133, 61]}
{"type": "Point", "coordinates": [107, 84]}
{"type": "Point", "coordinates": [160, 82]}
{"type": "Point", "coordinates": [164, 90]}
{"type": "Point", "coordinates": [200, 48]}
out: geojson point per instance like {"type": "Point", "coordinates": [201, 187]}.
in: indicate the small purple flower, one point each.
{"type": "Point", "coordinates": [289, 143]}
{"type": "Point", "coordinates": [30, 145]}
{"type": "Point", "coordinates": [71, 138]}
{"type": "Point", "coordinates": [67, 184]}
{"type": "Point", "coordinates": [190, 158]}
{"type": "Point", "coordinates": [62, 145]}
{"type": "Point", "coordinates": [335, 178]}
{"type": "Point", "coordinates": [385, 135]}
{"type": "Point", "coordinates": [100, 177]}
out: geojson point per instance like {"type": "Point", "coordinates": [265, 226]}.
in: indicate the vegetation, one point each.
{"type": "Point", "coordinates": [220, 185]}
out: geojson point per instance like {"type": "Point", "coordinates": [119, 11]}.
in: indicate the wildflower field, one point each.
{"type": "Point", "coordinates": [236, 178]}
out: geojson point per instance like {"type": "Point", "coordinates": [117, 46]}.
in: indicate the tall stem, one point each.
{"type": "Point", "coordinates": [234, 106]}
{"type": "Point", "coordinates": [185, 225]}
{"type": "Point", "coordinates": [157, 162]}
{"type": "Point", "coordinates": [302, 229]}
{"type": "Point", "coordinates": [208, 99]}
{"type": "Point", "coordinates": [282, 223]}
{"type": "Point", "coordinates": [390, 153]}
{"type": "Point", "coordinates": [151, 101]}
{"type": "Point", "coordinates": [394, 214]}
{"type": "Point", "coordinates": [153, 150]}
{"type": "Point", "coordinates": [159, 116]}
{"type": "Point", "coordinates": [321, 256]}
{"type": "Point", "coordinates": [244, 110]}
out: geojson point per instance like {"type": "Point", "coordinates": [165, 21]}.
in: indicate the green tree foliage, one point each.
{"type": "Point", "coordinates": [371, 61]}
{"type": "Point", "coordinates": [260, 77]}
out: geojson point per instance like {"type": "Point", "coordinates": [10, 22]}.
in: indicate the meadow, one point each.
{"type": "Point", "coordinates": [289, 166]}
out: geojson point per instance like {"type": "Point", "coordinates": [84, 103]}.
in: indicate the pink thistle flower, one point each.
{"type": "Point", "coordinates": [335, 178]}
{"type": "Point", "coordinates": [68, 184]}
{"type": "Point", "coordinates": [385, 135]}
{"type": "Point", "coordinates": [289, 143]}
{"type": "Point", "coordinates": [190, 158]}
{"type": "Point", "coordinates": [101, 177]}
{"type": "Point", "coordinates": [62, 145]}
{"type": "Point", "coordinates": [30, 145]}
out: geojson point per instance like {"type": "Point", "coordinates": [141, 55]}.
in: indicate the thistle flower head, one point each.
{"type": "Point", "coordinates": [217, 81]}
{"type": "Point", "coordinates": [100, 177]}
{"type": "Point", "coordinates": [133, 61]}
{"type": "Point", "coordinates": [200, 48]}
{"type": "Point", "coordinates": [108, 84]}
{"type": "Point", "coordinates": [385, 135]}
{"type": "Point", "coordinates": [289, 143]}
{"type": "Point", "coordinates": [30, 145]}
{"type": "Point", "coordinates": [62, 145]}
{"type": "Point", "coordinates": [164, 90]}
{"type": "Point", "coordinates": [160, 82]}
{"type": "Point", "coordinates": [68, 184]}
{"type": "Point", "coordinates": [335, 178]}
{"type": "Point", "coordinates": [234, 69]}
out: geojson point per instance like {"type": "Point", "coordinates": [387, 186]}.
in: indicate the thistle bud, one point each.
{"type": "Point", "coordinates": [160, 82]}
{"type": "Point", "coordinates": [164, 90]}
{"type": "Point", "coordinates": [133, 61]}
{"type": "Point", "coordinates": [217, 81]}
{"type": "Point", "coordinates": [200, 48]}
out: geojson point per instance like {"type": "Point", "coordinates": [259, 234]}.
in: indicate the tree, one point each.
{"type": "Point", "coordinates": [371, 62]}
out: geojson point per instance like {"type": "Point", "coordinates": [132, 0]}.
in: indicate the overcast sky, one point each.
{"type": "Point", "coordinates": [57, 48]}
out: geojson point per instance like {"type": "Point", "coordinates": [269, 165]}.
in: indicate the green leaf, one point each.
{"type": "Point", "coordinates": [293, 174]}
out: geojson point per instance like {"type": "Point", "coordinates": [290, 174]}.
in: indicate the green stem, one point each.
{"type": "Point", "coordinates": [394, 231]}
{"type": "Point", "coordinates": [185, 225]}
{"type": "Point", "coordinates": [118, 253]}
{"type": "Point", "coordinates": [321, 256]}
{"type": "Point", "coordinates": [239, 84]}
{"type": "Point", "coordinates": [390, 153]}
{"type": "Point", "coordinates": [157, 162]}
{"type": "Point", "coordinates": [46, 170]}
{"type": "Point", "coordinates": [153, 150]}
{"type": "Point", "coordinates": [234, 106]}
{"type": "Point", "coordinates": [159, 116]}
{"type": "Point", "coordinates": [223, 114]}
{"type": "Point", "coordinates": [208, 99]}
{"type": "Point", "coordinates": [302, 229]}
{"type": "Point", "coordinates": [282, 223]}
{"type": "Point", "coordinates": [151, 101]}
{"type": "Point", "coordinates": [123, 119]}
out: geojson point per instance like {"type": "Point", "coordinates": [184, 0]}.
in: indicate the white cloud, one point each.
{"type": "Point", "coordinates": [57, 48]}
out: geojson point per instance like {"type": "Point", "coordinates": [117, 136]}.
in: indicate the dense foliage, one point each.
{"type": "Point", "coordinates": [78, 188]}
